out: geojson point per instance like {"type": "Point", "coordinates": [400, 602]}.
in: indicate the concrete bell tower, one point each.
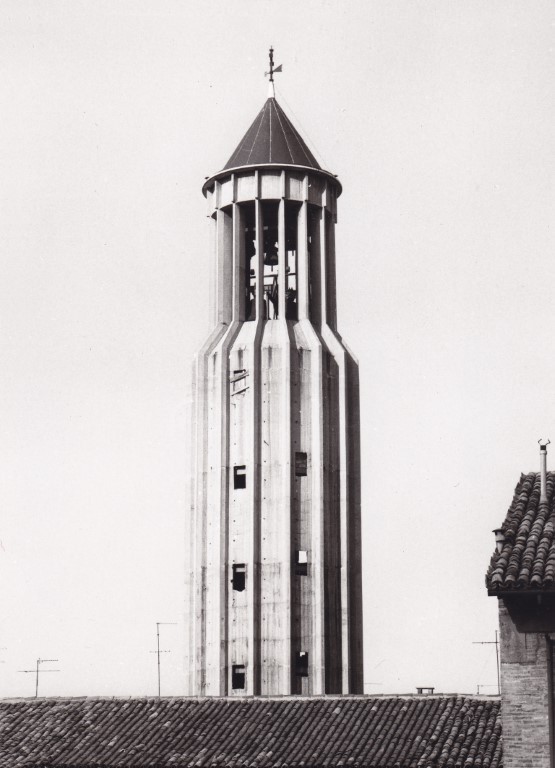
{"type": "Point", "coordinates": [275, 604]}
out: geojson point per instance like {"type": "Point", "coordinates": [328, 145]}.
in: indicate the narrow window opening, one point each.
{"type": "Point", "coordinates": [314, 266]}
{"type": "Point", "coordinates": [250, 262]}
{"type": "Point", "coordinates": [301, 563]}
{"type": "Point", "coordinates": [300, 463]}
{"type": "Point", "coordinates": [239, 477]}
{"type": "Point", "coordinates": [291, 250]}
{"type": "Point", "coordinates": [238, 676]}
{"type": "Point", "coordinates": [239, 574]}
{"type": "Point", "coordinates": [301, 664]}
{"type": "Point", "coordinates": [270, 253]}
{"type": "Point", "coordinates": [239, 381]}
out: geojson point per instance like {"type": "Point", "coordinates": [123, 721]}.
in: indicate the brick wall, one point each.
{"type": "Point", "coordinates": [525, 694]}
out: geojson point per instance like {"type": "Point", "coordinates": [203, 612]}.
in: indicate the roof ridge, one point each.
{"type": "Point", "coordinates": [261, 113]}
{"type": "Point", "coordinates": [292, 697]}
{"type": "Point", "coordinates": [276, 105]}
{"type": "Point", "coordinates": [295, 135]}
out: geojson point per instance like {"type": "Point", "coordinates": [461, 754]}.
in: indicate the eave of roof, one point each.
{"type": "Point", "coordinates": [269, 166]}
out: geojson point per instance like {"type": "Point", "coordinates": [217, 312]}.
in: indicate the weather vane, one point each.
{"type": "Point", "coordinates": [273, 69]}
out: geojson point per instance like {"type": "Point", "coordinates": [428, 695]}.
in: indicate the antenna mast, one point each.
{"type": "Point", "coordinates": [158, 651]}
{"type": "Point", "coordinates": [37, 671]}
{"type": "Point", "coordinates": [496, 643]}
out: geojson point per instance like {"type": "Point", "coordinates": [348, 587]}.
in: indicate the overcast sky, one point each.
{"type": "Point", "coordinates": [438, 117]}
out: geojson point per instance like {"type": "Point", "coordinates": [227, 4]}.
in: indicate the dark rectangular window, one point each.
{"type": "Point", "coordinates": [238, 676]}
{"type": "Point", "coordinates": [240, 476]}
{"type": "Point", "coordinates": [301, 664]}
{"type": "Point", "coordinates": [300, 463]}
{"type": "Point", "coordinates": [301, 562]}
{"type": "Point", "coordinates": [238, 580]}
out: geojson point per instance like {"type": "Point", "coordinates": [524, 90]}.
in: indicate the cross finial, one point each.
{"type": "Point", "coordinates": [271, 72]}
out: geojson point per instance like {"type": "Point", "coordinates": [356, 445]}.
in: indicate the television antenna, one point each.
{"type": "Point", "coordinates": [496, 643]}
{"type": "Point", "coordinates": [37, 671]}
{"type": "Point", "coordinates": [480, 685]}
{"type": "Point", "coordinates": [158, 651]}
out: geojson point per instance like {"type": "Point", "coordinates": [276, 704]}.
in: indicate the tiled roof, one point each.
{"type": "Point", "coordinates": [527, 559]}
{"type": "Point", "coordinates": [272, 138]}
{"type": "Point", "coordinates": [376, 732]}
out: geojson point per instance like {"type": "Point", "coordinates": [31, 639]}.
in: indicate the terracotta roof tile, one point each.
{"type": "Point", "coordinates": [370, 732]}
{"type": "Point", "coordinates": [527, 558]}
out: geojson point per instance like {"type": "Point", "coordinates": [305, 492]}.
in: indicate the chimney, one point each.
{"type": "Point", "coordinates": [499, 539]}
{"type": "Point", "coordinates": [543, 470]}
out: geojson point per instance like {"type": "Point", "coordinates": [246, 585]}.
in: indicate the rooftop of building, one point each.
{"type": "Point", "coordinates": [375, 731]}
{"type": "Point", "coordinates": [272, 139]}
{"type": "Point", "coordinates": [525, 559]}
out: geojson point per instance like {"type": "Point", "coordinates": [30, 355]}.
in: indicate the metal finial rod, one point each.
{"type": "Point", "coordinates": [543, 469]}
{"type": "Point", "coordinates": [272, 71]}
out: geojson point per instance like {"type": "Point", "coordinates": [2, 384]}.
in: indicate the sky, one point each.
{"type": "Point", "coordinates": [438, 117]}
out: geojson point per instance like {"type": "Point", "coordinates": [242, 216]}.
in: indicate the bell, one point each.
{"type": "Point", "coordinates": [271, 258]}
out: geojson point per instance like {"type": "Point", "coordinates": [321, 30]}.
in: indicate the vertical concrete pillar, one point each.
{"type": "Point", "coordinates": [282, 260]}
{"type": "Point", "coordinates": [259, 256]}
{"type": "Point", "coordinates": [255, 655]}
{"type": "Point", "coordinates": [317, 550]}
{"type": "Point", "coordinates": [284, 553]}
{"type": "Point", "coordinates": [302, 262]}
{"type": "Point", "coordinates": [338, 353]}
{"type": "Point", "coordinates": [331, 293]}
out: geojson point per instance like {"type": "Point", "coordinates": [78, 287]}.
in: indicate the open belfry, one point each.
{"type": "Point", "coordinates": [275, 599]}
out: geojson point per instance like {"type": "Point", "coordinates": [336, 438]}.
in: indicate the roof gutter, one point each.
{"type": "Point", "coordinates": [520, 592]}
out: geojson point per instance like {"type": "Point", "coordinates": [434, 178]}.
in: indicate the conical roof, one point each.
{"type": "Point", "coordinates": [272, 138]}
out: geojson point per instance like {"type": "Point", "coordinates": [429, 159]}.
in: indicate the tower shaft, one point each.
{"type": "Point", "coordinates": [274, 580]}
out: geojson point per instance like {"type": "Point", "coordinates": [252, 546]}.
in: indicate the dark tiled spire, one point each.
{"type": "Point", "coordinates": [272, 138]}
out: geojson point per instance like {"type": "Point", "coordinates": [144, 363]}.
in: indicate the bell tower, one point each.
{"type": "Point", "coordinates": [274, 585]}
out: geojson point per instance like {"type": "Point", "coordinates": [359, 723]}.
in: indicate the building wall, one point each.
{"type": "Point", "coordinates": [526, 687]}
